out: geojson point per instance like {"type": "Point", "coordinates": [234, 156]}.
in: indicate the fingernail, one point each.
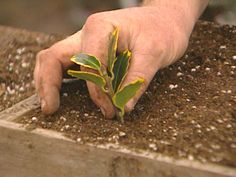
{"type": "Point", "coordinates": [103, 111]}
{"type": "Point", "coordinates": [130, 105]}
{"type": "Point", "coordinates": [43, 104]}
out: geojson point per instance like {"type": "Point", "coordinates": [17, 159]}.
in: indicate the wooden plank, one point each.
{"type": "Point", "coordinates": [20, 108]}
{"type": "Point", "coordinates": [47, 153]}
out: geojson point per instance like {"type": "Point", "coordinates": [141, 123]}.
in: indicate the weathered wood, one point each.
{"type": "Point", "coordinates": [20, 108]}
{"type": "Point", "coordinates": [47, 153]}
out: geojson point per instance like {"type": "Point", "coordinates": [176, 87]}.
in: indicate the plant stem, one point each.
{"type": "Point", "coordinates": [110, 91]}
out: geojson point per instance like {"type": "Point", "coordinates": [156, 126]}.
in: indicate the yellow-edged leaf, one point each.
{"type": "Point", "coordinates": [125, 94]}
{"type": "Point", "coordinates": [88, 76]}
{"type": "Point", "coordinates": [112, 49]}
{"type": "Point", "coordinates": [120, 69]}
{"type": "Point", "coordinates": [86, 60]}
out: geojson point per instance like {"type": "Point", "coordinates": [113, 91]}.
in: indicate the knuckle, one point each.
{"type": "Point", "coordinates": [92, 20]}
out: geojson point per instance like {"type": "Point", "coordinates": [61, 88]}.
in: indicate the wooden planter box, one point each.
{"type": "Point", "coordinates": [40, 152]}
{"type": "Point", "coordinates": [43, 152]}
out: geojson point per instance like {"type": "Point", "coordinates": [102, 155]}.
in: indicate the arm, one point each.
{"type": "Point", "coordinates": [157, 34]}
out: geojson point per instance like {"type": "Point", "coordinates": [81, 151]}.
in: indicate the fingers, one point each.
{"type": "Point", "coordinates": [140, 67]}
{"type": "Point", "coordinates": [50, 65]}
{"type": "Point", "coordinates": [95, 37]}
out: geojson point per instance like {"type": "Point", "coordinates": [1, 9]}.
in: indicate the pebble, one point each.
{"type": "Point", "coordinates": [65, 94]}
{"type": "Point", "coordinates": [212, 127]}
{"type": "Point", "coordinates": [86, 114]}
{"type": "Point", "coordinates": [215, 146]}
{"type": "Point", "coordinates": [198, 145]}
{"type": "Point", "coordinates": [122, 134]}
{"type": "Point", "coordinates": [10, 91]}
{"type": "Point", "coordinates": [62, 118]}
{"type": "Point", "coordinates": [219, 121]}
{"type": "Point", "coordinates": [67, 127]}
{"type": "Point", "coordinates": [218, 73]}
{"type": "Point", "coordinates": [153, 146]}
{"type": "Point", "coordinates": [207, 69]}
{"type": "Point", "coordinates": [34, 119]}
{"type": "Point", "coordinates": [233, 146]}
{"type": "Point", "coordinates": [223, 47]}
{"type": "Point", "coordinates": [21, 89]}
{"type": "Point", "coordinates": [78, 139]}
{"type": "Point", "coordinates": [229, 126]}
{"type": "Point", "coordinates": [173, 86]}
{"type": "Point", "coordinates": [25, 65]}
{"type": "Point", "coordinates": [193, 70]}
{"type": "Point", "coordinates": [234, 57]}
{"type": "Point", "coordinates": [233, 67]}
{"type": "Point", "coordinates": [179, 74]}
{"type": "Point", "coordinates": [190, 157]}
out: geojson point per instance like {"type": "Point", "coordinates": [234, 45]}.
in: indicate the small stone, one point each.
{"type": "Point", "coordinates": [86, 114]}
{"type": "Point", "coordinates": [215, 146]}
{"type": "Point", "coordinates": [234, 57]}
{"type": "Point", "coordinates": [198, 126]}
{"type": "Point", "coordinates": [153, 146]}
{"type": "Point", "coordinates": [193, 70]}
{"type": "Point", "coordinates": [229, 91]}
{"type": "Point", "coordinates": [10, 91]}
{"type": "Point", "coordinates": [78, 139]}
{"type": "Point", "coordinates": [67, 127]}
{"type": "Point", "coordinates": [190, 157]}
{"type": "Point", "coordinates": [218, 73]}
{"type": "Point", "coordinates": [233, 146]}
{"type": "Point", "coordinates": [223, 47]}
{"type": "Point", "coordinates": [17, 57]}
{"type": "Point", "coordinates": [212, 127]}
{"type": "Point", "coordinates": [194, 107]}
{"type": "Point", "coordinates": [25, 65]}
{"type": "Point", "coordinates": [173, 86]}
{"type": "Point", "coordinates": [198, 145]}
{"type": "Point", "coordinates": [179, 74]}
{"type": "Point", "coordinates": [233, 67]}
{"type": "Point", "coordinates": [207, 69]}
{"type": "Point", "coordinates": [122, 134]}
{"type": "Point", "coordinates": [21, 89]}
{"type": "Point", "coordinates": [34, 119]}
{"type": "Point", "coordinates": [62, 118]}
{"type": "Point", "coordinates": [65, 94]}
{"type": "Point", "coordinates": [219, 121]}
{"type": "Point", "coordinates": [228, 126]}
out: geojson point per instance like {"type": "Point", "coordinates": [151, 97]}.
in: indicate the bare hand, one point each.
{"type": "Point", "coordinates": [155, 36]}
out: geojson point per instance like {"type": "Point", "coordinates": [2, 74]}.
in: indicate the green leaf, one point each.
{"type": "Point", "coordinates": [112, 49]}
{"type": "Point", "coordinates": [120, 69]}
{"type": "Point", "coordinates": [86, 60]}
{"type": "Point", "coordinates": [125, 94]}
{"type": "Point", "coordinates": [88, 76]}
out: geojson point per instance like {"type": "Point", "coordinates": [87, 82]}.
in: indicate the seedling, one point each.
{"type": "Point", "coordinates": [109, 79]}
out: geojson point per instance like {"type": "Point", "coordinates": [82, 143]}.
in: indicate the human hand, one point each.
{"type": "Point", "coordinates": [155, 36]}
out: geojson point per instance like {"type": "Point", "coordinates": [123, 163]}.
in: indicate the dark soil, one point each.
{"type": "Point", "coordinates": [188, 111]}
{"type": "Point", "coordinates": [17, 56]}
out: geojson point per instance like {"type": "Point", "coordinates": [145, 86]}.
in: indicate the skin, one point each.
{"type": "Point", "coordinates": [156, 33]}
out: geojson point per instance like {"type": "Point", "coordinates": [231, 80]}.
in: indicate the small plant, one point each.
{"type": "Point", "coordinates": [111, 78]}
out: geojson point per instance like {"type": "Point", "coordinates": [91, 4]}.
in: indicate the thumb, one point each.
{"type": "Point", "coordinates": [140, 67]}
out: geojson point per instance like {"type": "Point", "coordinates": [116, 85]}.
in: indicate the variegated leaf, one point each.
{"type": "Point", "coordinates": [125, 94]}
{"type": "Point", "coordinates": [88, 76]}
{"type": "Point", "coordinates": [86, 60]}
{"type": "Point", "coordinates": [112, 49]}
{"type": "Point", "coordinates": [120, 69]}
